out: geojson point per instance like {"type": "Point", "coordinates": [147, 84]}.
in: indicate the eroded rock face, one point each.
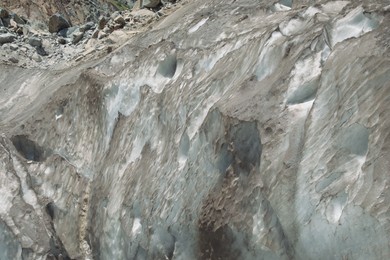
{"type": "Point", "coordinates": [228, 131]}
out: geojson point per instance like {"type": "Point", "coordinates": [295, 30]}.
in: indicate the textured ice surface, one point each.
{"type": "Point", "coordinates": [228, 131]}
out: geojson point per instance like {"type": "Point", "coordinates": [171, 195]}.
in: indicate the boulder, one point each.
{"type": "Point", "coordinates": [35, 41]}
{"type": "Point", "coordinates": [4, 13]}
{"type": "Point", "coordinates": [150, 3]}
{"type": "Point", "coordinates": [7, 38]}
{"type": "Point", "coordinates": [57, 22]}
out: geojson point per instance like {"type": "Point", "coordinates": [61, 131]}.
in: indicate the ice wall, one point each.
{"type": "Point", "coordinates": [229, 131]}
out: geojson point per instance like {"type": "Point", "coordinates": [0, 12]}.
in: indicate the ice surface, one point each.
{"type": "Point", "coordinates": [354, 24]}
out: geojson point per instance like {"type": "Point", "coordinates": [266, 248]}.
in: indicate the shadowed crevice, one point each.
{"type": "Point", "coordinates": [28, 148]}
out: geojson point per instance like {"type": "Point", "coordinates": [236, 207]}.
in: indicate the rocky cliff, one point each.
{"type": "Point", "coordinates": [228, 130]}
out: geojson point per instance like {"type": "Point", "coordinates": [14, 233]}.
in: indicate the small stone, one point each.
{"type": "Point", "coordinates": [36, 57]}
{"type": "Point", "coordinates": [7, 38]}
{"type": "Point", "coordinates": [13, 47]}
{"type": "Point", "coordinates": [35, 41]}
{"type": "Point", "coordinates": [62, 40]}
{"type": "Point", "coordinates": [13, 60]}
{"type": "Point", "coordinates": [57, 22]}
{"type": "Point", "coordinates": [41, 51]}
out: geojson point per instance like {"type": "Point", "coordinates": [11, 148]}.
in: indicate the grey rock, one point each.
{"type": "Point", "coordinates": [57, 22]}
{"type": "Point", "coordinates": [7, 38]}
{"type": "Point", "coordinates": [150, 3]}
{"type": "Point", "coordinates": [35, 41]}
{"type": "Point", "coordinates": [4, 13]}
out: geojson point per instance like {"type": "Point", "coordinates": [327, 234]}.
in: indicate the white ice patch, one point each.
{"type": "Point", "coordinates": [198, 25]}
{"type": "Point", "coordinates": [353, 25]}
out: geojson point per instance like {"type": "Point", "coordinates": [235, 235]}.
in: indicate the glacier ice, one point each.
{"type": "Point", "coordinates": [248, 130]}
